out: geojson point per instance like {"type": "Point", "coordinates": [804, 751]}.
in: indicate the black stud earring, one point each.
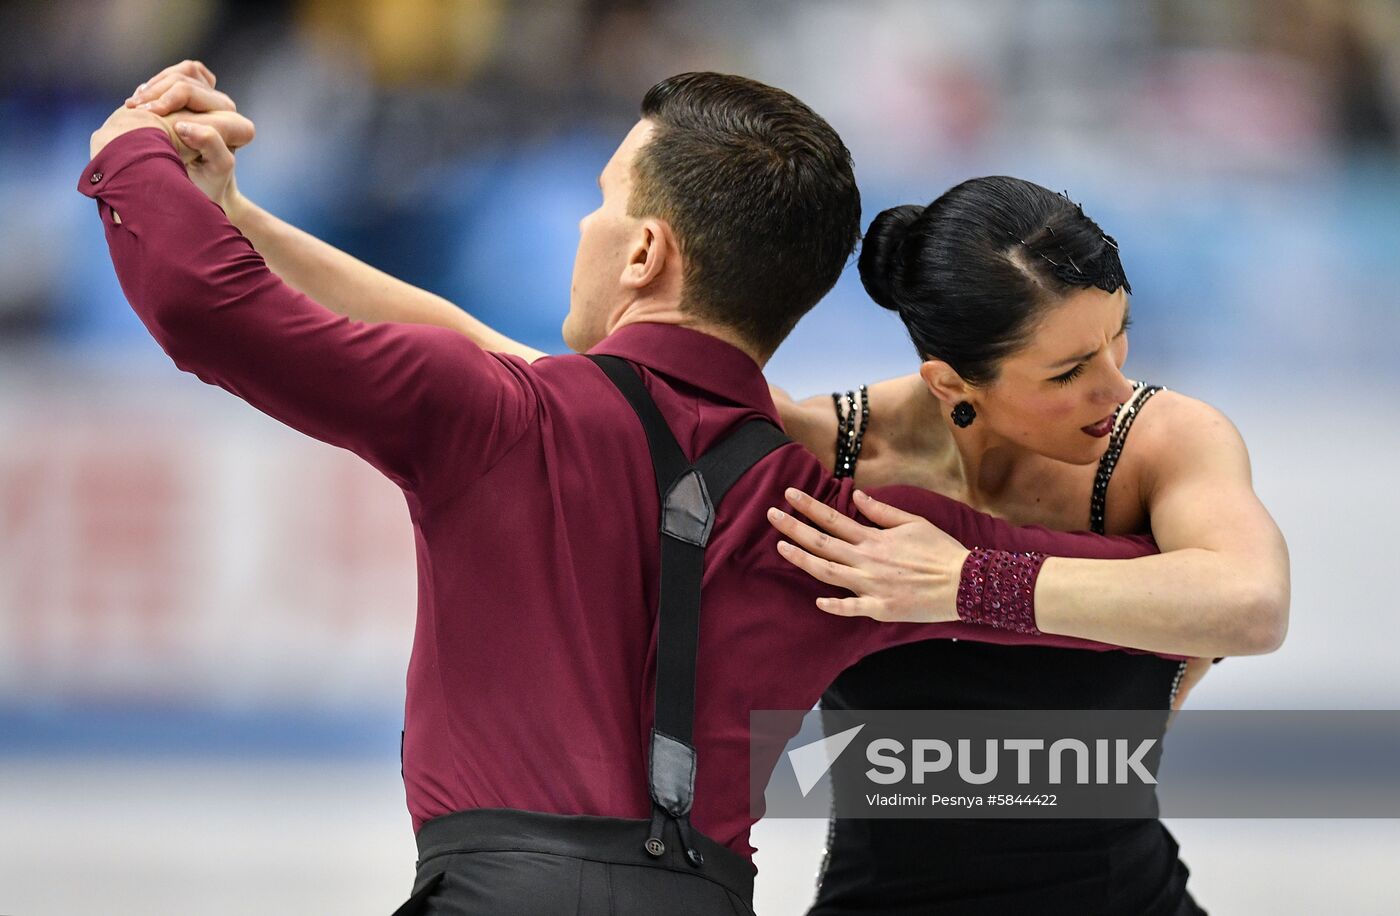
{"type": "Point", "coordinates": [964, 414]}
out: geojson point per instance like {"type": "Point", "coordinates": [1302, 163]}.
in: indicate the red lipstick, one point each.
{"type": "Point", "coordinates": [1100, 429]}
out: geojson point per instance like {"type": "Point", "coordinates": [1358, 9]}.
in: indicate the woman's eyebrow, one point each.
{"type": "Point", "coordinates": [1127, 313]}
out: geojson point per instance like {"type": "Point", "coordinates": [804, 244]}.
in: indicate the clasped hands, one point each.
{"type": "Point", "coordinates": [202, 122]}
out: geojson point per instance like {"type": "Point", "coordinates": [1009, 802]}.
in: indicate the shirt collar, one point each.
{"type": "Point", "coordinates": [695, 358]}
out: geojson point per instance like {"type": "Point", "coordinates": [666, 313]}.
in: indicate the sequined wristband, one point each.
{"type": "Point", "coordinates": [997, 588]}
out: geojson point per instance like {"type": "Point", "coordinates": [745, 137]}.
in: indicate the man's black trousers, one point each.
{"type": "Point", "coordinates": [525, 863]}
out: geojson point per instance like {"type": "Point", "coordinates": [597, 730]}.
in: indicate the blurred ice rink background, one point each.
{"type": "Point", "coordinates": [205, 618]}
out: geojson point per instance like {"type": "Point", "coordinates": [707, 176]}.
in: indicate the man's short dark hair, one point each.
{"type": "Point", "coordinates": [760, 193]}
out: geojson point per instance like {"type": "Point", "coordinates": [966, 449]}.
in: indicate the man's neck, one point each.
{"type": "Point", "coordinates": [675, 316]}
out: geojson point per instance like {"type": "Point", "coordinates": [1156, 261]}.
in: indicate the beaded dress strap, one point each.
{"type": "Point", "coordinates": [852, 417]}
{"type": "Point", "coordinates": [1122, 422]}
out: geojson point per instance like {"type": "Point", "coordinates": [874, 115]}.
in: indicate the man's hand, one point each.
{"type": "Point", "coordinates": [124, 120]}
{"type": "Point", "coordinates": [906, 570]}
{"type": "Point", "coordinates": [204, 141]}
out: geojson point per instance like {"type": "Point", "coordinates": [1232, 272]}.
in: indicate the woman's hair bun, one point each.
{"type": "Point", "coordinates": [881, 252]}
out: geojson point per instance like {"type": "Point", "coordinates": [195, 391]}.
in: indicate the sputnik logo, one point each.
{"type": "Point", "coordinates": [811, 761]}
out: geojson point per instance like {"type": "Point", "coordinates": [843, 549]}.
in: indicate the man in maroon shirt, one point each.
{"type": "Point", "coordinates": [728, 211]}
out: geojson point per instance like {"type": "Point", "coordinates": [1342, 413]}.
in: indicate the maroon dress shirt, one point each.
{"type": "Point", "coordinates": [535, 517]}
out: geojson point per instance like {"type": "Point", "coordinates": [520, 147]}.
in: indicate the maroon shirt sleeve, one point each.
{"type": "Point", "coordinates": [977, 529]}
{"type": "Point", "coordinates": [409, 399]}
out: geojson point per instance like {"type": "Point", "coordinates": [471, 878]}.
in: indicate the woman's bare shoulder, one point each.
{"type": "Point", "coordinates": [1174, 429]}
{"type": "Point", "coordinates": [814, 422]}
{"type": "Point", "coordinates": [1173, 416]}
{"type": "Point", "coordinates": [811, 422]}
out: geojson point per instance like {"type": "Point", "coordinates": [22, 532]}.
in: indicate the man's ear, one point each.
{"type": "Point", "coordinates": [945, 383]}
{"type": "Point", "coordinates": [652, 251]}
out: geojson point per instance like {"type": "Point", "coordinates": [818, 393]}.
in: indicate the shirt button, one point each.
{"type": "Point", "coordinates": [95, 177]}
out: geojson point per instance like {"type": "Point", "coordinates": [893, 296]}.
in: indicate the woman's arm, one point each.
{"type": "Point", "coordinates": [350, 287]}
{"type": "Point", "coordinates": [1220, 586]}
{"type": "Point", "coordinates": [335, 279]}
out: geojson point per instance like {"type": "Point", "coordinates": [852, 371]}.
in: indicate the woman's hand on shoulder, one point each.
{"type": "Point", "coordinates": [901, 569]}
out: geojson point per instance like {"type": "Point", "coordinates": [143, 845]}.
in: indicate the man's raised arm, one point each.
{"type": "Point", "coordinates": [406, 398]}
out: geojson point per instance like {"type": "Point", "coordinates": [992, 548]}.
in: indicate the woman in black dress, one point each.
{"type": "Point", "coordinates": [1017, 304]}
{"type": "Point", "coordinates": [1007, 866]}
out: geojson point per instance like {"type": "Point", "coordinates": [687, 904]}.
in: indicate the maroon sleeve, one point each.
{"type": "Point", "coordinates": [977, 529]}
{"type": "Point", "coordinates": [407, 398]}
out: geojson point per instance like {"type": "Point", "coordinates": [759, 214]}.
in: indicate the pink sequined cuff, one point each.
{"type": "Point", "coordinates": [997, 588]}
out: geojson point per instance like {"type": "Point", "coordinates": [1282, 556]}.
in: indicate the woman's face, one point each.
{"type": "Point", "coordinates": [1057, 395]}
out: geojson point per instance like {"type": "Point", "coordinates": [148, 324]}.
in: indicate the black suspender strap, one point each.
{"type": "Point", "coordinates": [688, 494]}
{"type": "Point", "coordinates": [666, 456]}
{"type": "Point", "coordinates": [723, 465]}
